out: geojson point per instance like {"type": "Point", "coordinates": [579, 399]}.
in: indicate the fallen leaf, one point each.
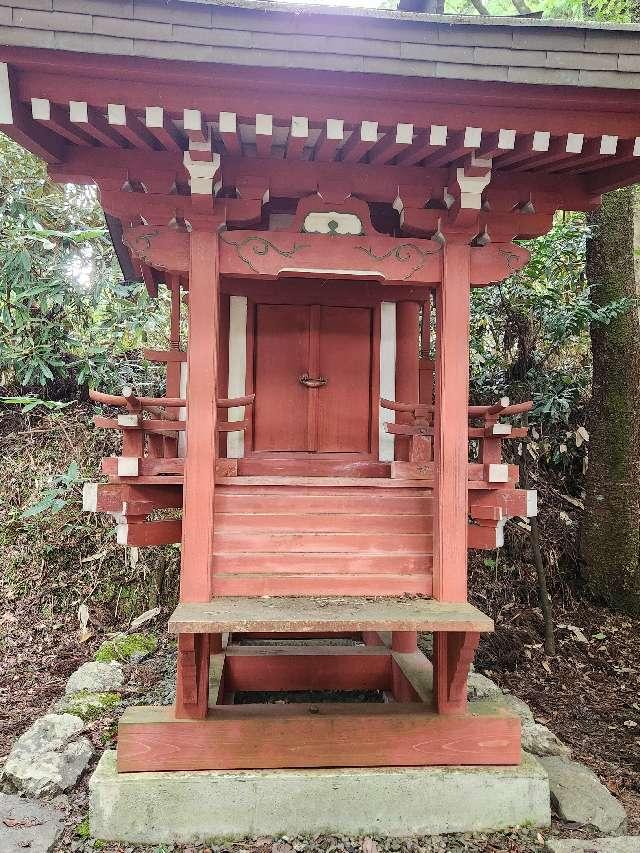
{"type": "Point", "coordinates": [147, 616]}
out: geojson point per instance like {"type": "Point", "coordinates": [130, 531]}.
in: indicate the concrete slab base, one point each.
{"type": "Point", "coordinates": [192, 807]}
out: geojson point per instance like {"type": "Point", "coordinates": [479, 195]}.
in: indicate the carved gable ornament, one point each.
{"type": "Point", "coordinates": [332, 212]}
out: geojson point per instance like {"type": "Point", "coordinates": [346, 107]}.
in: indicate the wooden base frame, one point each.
{"type": "Point", "coordinates": [420, 723]}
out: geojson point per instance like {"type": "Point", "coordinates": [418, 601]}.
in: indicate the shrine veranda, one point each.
{"type": "Point", "coordinates": [317, 186]}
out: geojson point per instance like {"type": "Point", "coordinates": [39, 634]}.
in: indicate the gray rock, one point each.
{"type": "Point", "coordinates": [578, 796]}
{"type": "Point", "coordinates": [28, 825]}
{"type": "Point", "coordinates": [481, 687]}
{"type": "Point", "coordinates": [519, 707]}
{"type": "Point", "coordinates": [539, 740]}
{"type": "Point", "coordinates": [624, 844]}
{"type": "Point", "coordinates": [49, 757]}
{"type": "Point", "coordinates": [96, 677]}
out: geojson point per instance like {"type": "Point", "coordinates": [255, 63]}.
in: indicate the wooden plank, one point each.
{"type": "Point", "coordinates": [306, 668]}
{"type": "Point", "coordinates": [331, 501]}
{"type": "Point", "coordinates": [327, 614]}
{"type": "Point", "coordinates": [341, 584]}
{"type": "Point", "coordinates": [302, 735]}
{"type": "Point", "coordinates": [141, 534]}
{"type": "Point", "coordinates": [322, 482]}
{"type": "Point", "coordinates": [321, 564]}
{"type": "Point", "coordinates": [256, 466]}
{"type": "Point", "coordinates": [314, 543]}
{"type": "Point", "coordinates": [252, 522]}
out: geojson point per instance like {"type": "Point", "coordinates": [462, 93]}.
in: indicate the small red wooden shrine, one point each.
{"type": "Point", "coordinates": [319, 219]}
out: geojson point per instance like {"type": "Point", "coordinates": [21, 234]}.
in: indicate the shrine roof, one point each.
{"type": "Point", "coordinates": [370, 41]}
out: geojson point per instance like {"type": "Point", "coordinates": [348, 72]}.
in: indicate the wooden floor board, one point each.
{"type": "Point", "coordinates": [293, 613]}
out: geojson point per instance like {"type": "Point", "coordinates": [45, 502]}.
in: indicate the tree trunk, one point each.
{"type": "Point", "coordinates": [611, 533]}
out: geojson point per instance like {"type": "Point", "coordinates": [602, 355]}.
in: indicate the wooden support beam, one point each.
{"type": "Point", "coordinates": [192, 676]}
{"type": "Point", "coordinates": [251, 668]}
{"type": "Point", "coordinates": [391, 145]}
{"type": "Point", "coordinates": [229, 132]}
{"type": "Point", "coordinates": [431, 140]}
{"type": "Point", "coordinates": [298, 137]}
{"type": "Point", "coordinates": [16, 122]}
{"type": "Point", "coordinates": [94, 124]}
{"type": "Point", "coordinates": [130, 127]}
{"type": "Point", "coordinates": [330, 138]}
{"type": "Point", "coordinates": [202, 361]}
{"type": "Point", "coordinates": [561, 148]}
{"type": "Point", "coordinates": [361, 140]}
{"type": "Point", "coordinates": [496, 144]}
{"type": "Point", "coordinates": [524, 149]}
{"type": "Point", "coordinates": [452, 657]}
{"type": "Point", "coordinates": [594, 152]}
{"type": "Point", "coordinates": [264, 134]}
{"type": "Point", "coordinates": [142, 534]}
{"type": "Point", "coordinates": [463, 142]}
{"type": "Point", "coordinates": [162, 128]}
{"type": "Point", "coordinates": [451, 422]}
{"type": "Point", "coordinates": [53, 116]}
{"type": "Point", "coordinates": [325, 735]}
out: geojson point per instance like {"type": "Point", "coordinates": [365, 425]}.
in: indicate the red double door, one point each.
{"type": "Point", "coordinates": [312, 374]}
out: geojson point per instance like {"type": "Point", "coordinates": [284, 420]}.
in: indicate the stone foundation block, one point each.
{"type": "Point", "coordinates": [192, 807]}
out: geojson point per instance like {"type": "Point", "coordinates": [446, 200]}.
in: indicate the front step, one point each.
{"type": "Point", "coordinates": [294, 614]}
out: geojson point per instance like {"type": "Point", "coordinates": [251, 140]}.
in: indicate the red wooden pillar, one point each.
{"type": "Point", "coordinates": [453, 652]}
{"type": "Point", "coordinates": [451, 451]}
{"type": "Point", "coordinates": [200, 464]}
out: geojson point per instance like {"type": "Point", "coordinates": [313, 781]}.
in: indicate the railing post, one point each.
{"type": "Point", "coordinates": [407, 369]}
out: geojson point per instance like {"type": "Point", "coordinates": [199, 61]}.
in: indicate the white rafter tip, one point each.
{"type": "Point", "coordinates": [299, 127]}
{"type": "Point", "coordinates": [608, 144]}
{"type": "Point", "coordinates": [90, 497]}
{"type": "Point", "coordinates": [404, 134]}
{"type": "Point", "coordinates": [541, 139]}
{"type": "Point", "coordinates": [192, 120]}
{"type": "Point", "coordinates": [575, 141]}
{"type": "Point", "coordinates": [41, 109]}
{"type": "Point", "coordinates": [369, 131]}
{"type": "Point", "coordinates": [264, 124]}
{"type": "Point", "coordinates": [636, 147]}
{"type": "Point", "coordinates": [6, 109]}
{"type": "Point", "coordinates": [335, 128]}
{"type": "Point", "coordinates": [117, 114]}
{"type": "Point", "coordinates": [472, 137]}
{"type": "Point", "coordinates": [78, 111]}
{"type": "Point", "coordinates": [227, 122]}
{"type": "Point", "coordinates": [438, 134]}
{"type": "Point", "coordinates": [154, 116]}
{"type": "Point", "coordinates": [506, 139]}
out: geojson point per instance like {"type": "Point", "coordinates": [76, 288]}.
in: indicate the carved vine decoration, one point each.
{"type": "Point", "coordinates": [512, 260]}
{"type": "Point", "coordinates": [260, 247]}
{"type": "Point", "coordinates": [404, 253]}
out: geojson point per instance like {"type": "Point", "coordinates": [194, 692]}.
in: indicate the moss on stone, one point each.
{"type": "Point", "coordinates": [124, 646]}
{"type": "Point", "coordinates": [90, 706]}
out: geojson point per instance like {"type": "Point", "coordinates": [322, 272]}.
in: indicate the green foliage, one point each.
{"type": "Point", "coordinates": [123, 646]}
{"type": "Point", "coordinates": [530, 336]}
{"type": "Point", "coordinates": [90, 706]}
{"type": "Point", "coordinates": [58, 493]}
{"type": "Point", "coordinates": [66, 317]}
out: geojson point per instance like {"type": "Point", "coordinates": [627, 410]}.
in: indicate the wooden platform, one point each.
{"type": "Point", "coordinates": [290, 614]}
